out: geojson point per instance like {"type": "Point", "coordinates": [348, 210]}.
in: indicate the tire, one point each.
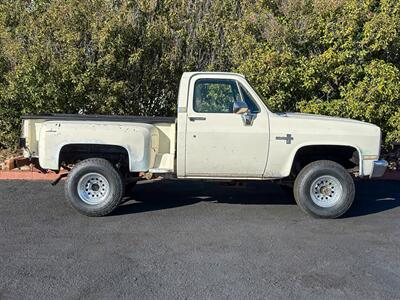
{"type": "Point", "coordinates": [94, 187]}
{"type": "Point", "coordinates": [324, 189]}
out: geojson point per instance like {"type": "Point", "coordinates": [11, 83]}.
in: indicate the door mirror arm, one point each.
{"type": "Point", "coordinates": [248, 118]}
{"type": "Point", "coordinates": [240, 107]}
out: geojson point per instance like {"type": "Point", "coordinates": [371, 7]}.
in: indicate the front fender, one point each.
{"type": "Point", "coordinates": [282, 157]}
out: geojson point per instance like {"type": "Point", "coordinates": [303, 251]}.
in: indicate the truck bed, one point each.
{"type": "Point", "coordinates": [108, 118]}
{"type": "Point", "coordinates": [150, 139]}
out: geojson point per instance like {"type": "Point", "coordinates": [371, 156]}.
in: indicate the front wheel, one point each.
{"type": "Point", "coordinates": [94, 187]}
{"type": "Point", "coordinates": [324, 189]}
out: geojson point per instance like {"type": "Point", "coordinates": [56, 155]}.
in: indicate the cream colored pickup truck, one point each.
{"type": "Point", "coordinates": [223, 131]}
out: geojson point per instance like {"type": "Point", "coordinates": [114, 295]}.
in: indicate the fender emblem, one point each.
{"type": "Point", "coordinates": [288, 138]}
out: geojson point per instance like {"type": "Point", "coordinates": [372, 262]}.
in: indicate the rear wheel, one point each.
{"type": "Point", "coordinates": [94, 187]}
{"type": "Point", "coordinates": [324, 189]}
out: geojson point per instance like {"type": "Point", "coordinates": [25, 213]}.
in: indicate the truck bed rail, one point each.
{"type": "Point", "coordinates": [108, 118]}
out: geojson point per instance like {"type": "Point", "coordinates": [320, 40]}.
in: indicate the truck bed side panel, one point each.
{"type": "Point", "coordinates": [139, 139]}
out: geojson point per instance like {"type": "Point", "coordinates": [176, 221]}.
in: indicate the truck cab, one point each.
{"type": "Point", "coordinates": [223, 130]}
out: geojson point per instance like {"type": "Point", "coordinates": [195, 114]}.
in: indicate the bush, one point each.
{"type": "Point", "coordinates": [336, 57]}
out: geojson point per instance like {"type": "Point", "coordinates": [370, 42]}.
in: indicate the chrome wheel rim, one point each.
{"type": "Point", "coordinates": [326, 191]}
{"type": "Point", "coordinates": [93, 188]}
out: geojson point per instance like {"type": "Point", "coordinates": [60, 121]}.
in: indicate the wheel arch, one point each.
{"type": "Point", "coordinates": [324, 151]}
{"type": "Point", "coordinates": [72, 152]}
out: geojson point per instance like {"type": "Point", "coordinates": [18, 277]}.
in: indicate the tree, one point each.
{"type": "Point", "coordinates": [335, 57]}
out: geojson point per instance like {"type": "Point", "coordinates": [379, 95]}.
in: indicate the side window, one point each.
{"type": "Point", "coordinates": [215, 95]}
{"type": "Point", "coordinates": [249, 100]}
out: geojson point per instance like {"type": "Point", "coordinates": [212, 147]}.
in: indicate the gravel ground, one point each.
{"type": "Point", "coordinates": [197, 240]}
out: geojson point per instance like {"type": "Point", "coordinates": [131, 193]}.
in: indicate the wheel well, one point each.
{"type": "Point", "coordinates": [73, 153]}
{"type": "Point", "coordinates": [346, 156]}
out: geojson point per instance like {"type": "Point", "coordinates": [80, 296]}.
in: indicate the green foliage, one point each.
{"type": "Point", "coordinates": [335, 57]}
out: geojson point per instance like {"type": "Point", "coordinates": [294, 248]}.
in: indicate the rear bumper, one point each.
{"type": "Point", "coordinates": [379, 168]}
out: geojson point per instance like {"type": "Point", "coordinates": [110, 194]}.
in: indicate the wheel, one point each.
{"type": "Point", "coordinates": [94, 187]}
{"type": "Point", "coordinates": [324, 189]}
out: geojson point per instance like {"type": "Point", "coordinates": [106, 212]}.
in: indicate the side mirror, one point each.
{"type": "Point", "coordinates": [240, 107]}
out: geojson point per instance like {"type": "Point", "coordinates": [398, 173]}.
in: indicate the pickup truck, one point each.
{"type": "Point", "coordinates": [223, 131]}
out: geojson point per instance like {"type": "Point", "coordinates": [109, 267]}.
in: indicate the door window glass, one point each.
{"type": "Point", "coordinates": [215, 95]}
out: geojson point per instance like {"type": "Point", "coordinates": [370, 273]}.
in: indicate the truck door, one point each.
{"type": "Point", "coordinates": [220, 142]}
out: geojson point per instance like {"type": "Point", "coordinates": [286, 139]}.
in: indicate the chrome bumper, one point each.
{"type": "Point", "coordinates": [379, 168]}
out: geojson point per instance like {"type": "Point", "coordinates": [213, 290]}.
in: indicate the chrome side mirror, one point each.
{"type": "Point", "coordinates": [240, 107]}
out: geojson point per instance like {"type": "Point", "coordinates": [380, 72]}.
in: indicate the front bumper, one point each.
{"type": "Point", "coordinates": [378, 168]}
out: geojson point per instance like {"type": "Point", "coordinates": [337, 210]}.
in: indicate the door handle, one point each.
{"type": "Point", "coordinates": [197, 119]}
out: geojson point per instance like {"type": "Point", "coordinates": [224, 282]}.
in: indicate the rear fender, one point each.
{"type": "Point", "coordinates": [140, 141]}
